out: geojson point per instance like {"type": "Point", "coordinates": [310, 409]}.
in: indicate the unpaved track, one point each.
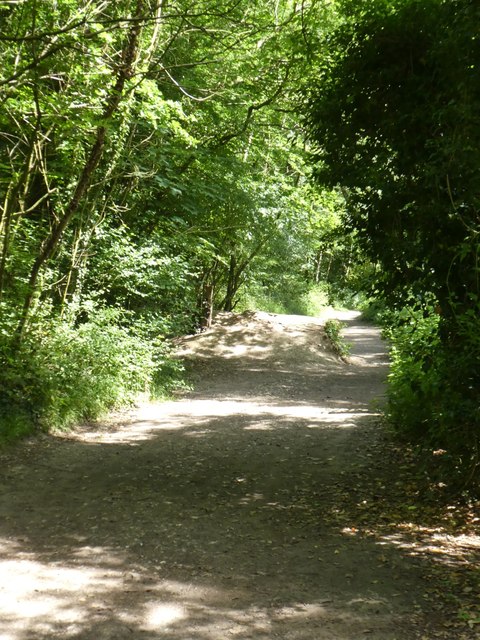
{"type": "Point", "coordinates": [214, 516]}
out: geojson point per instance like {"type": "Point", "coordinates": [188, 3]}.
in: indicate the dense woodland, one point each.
{"type": "Point", "coordinates": [161, 160]}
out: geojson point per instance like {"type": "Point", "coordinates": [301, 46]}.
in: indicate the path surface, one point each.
{"type": "Point", "coordinates": [225, 514]}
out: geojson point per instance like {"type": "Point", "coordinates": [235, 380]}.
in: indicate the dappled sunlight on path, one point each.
{"type": "Point", "coordinates": [153, 418]}
{"type": "Point", "coordinates": [236, 511]}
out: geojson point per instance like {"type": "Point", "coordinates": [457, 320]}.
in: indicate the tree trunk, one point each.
{"type": "Point", "coordinates": [318, 266]}
{"type": "Point", "coordinates": [207, 306]}
{"type": "Point", "coordinates": [112, 102]}
{"type": "Point", "coordinates": [232, 284]}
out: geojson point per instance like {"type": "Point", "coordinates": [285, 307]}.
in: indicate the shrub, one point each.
{"type": "Point", "coordinates": [413, 378]}
{"type": "Point", "coordinates": [63, 374]}
{"type": "Point", "coordinates": [433, 393]}
{"type": "Point", "coordinates": [333, 330]}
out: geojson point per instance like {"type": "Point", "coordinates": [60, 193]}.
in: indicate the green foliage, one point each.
{"type": "Point", "coordinates": [393, 121]}
{"type": "Point", "coordinates": [333, 330]}
{"type": "Point", "coordinates": [289, 296]}
{"type": "Point", "coordinates": [316, 299]}
{"type": "Point", "coordinates": [152, 279]}
{"type": "Point", "coordinates": [375, 310]}
{"type": "Point", "coordinates": [63, 374]}
{"type": "Point", "coordinates": [414, 377]}
{"type": "Point", "coordinates": [134, 195]}
{"type": "Point", "coordinates": [433, 387]}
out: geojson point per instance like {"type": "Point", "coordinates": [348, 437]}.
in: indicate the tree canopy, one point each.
{"type": "Point", "coordinates": [152, 169]}
{"type": "Point", "coordinates": [393, 120]}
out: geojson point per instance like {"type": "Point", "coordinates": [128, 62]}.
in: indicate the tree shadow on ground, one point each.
{"type": "Point", "coordinates": [171, 537]}
{"type": "Point", "coordinates": [276, 511]}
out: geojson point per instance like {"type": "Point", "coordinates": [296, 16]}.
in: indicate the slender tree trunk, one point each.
{"type": "Point", "coordinates": [232, 284]}
{"type": "Point", "coordinates": [206, 296]}
{"type": "Point", "coordinates": [124, 72]}
{"type": "Point", "coordinates": [318, 266]}
{"type": "Point", "coordinates": [10, 206]}
{"type": "Point", "coordinates": [71, 276]}
{"type": "Point", "coordinates": [236, 270]}
{"type": "Point", "coordinates": [330, 260]}
{"type": "Point", "coordinates": [207, 305]}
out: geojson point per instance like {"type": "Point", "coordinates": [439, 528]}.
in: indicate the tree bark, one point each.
{"type": "Point", "coordinates": [232, 285]}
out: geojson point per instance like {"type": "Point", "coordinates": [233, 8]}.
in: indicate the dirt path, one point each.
{"type": "Point", "coordinates": [243, 510]}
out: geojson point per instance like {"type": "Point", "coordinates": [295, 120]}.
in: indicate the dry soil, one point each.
{"type": "Point", "coordinates": [245, 509]}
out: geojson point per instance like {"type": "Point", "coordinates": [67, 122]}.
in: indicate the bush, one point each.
{"type": "Point", "coordinates": [375, 310]}
{"type": "Point", "coordinates": [433, 393]}
{"type": "Point", "coordinates": [413, 379]}
{"type": "Point", "coordinates": [333, 330]}
{"type": "Point", "coordinates": [315, 300]}
{"type": "Point", "coordinates": [64, 374]}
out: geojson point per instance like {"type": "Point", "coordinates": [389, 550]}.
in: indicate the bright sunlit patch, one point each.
{"type": "Point", "coordinates": [162, 615]}
{"type": "Point", "coordinates": [300, 611]}
{"type": "Point", "coordinates": [47, 599]}
{"type": "Point", "coordinates": [171, 416]}
{"type": "Point", "coordinates": [259, 427]}
{"type": "Point", "coordinates": [446, 548]}
{"type": "Point", "coordinates": [34, 595]}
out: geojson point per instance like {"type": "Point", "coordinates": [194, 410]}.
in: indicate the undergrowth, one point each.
{"type": "Point", "coordinates": [433, 392]}
{"type": "Point", "coordinates": [333, 329]}
{"type": "Point", "coordinates": [63, 374]}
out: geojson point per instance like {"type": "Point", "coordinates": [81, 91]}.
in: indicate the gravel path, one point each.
{"type": "Point", "coordinates": [233, 512]}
